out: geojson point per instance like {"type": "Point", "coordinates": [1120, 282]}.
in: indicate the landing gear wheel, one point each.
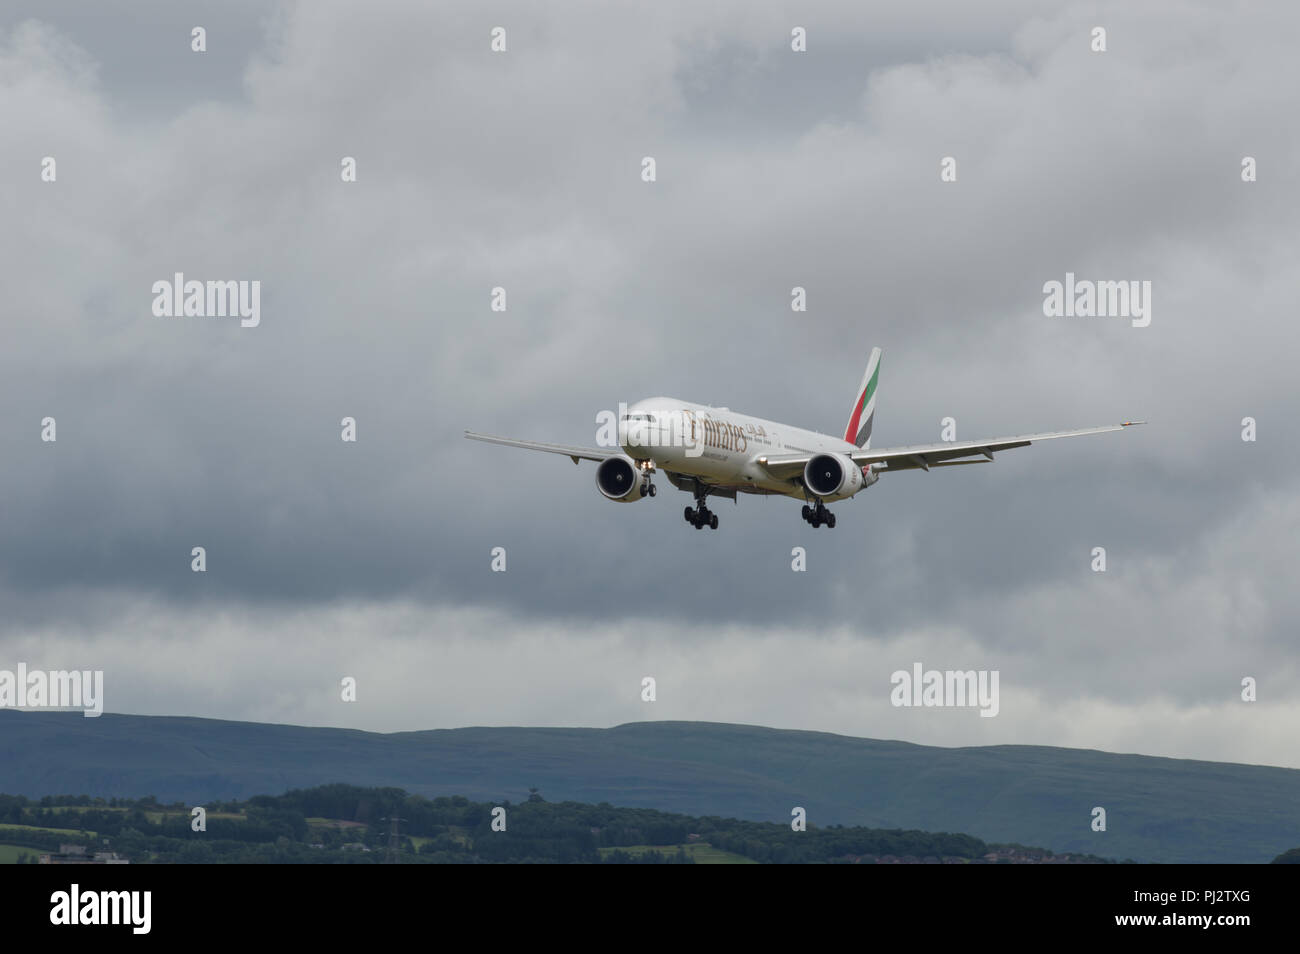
{"type": "Point", "coordinates": [713, 521]}
{"type": "Point", "coordinates": [651, 491]}
{"type": "Point", "coordinates": [700, 516]}
{"type": "Point", "coordinates": [830, 520]}
{"type": "Point", "coordinates": [815, 521]}
{"type": "Point", "coordinates": [807, 511]}
{"type": "Point", "coordinates": [690, 515]}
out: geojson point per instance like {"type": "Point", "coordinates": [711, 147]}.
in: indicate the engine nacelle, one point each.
{"type": "Point", "coordinates": [836, 476]}
{"type": "Point", "coordinates": [619, 479]}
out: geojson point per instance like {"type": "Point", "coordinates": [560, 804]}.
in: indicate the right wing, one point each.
{"type": "Point", "coordinates": [925, 456]}
{"type": "Point", "coordinates": [574, 453]}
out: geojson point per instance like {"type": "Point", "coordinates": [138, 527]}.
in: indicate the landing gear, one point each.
{"type": "Point", "coordinates": [704, 517]}
{"type": "Point", "coordinates": [701, 516]}
{"type": "Point", "coordinates": [647, 469]}
{"type": "Point", "coordinates": [818, 515]}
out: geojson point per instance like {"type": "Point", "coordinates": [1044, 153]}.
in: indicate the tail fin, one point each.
{"type": "Point", "coordinates": [864, 408]}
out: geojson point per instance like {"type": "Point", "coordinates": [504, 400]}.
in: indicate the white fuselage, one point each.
{"type": "Point", "coordinates": [717, 445]}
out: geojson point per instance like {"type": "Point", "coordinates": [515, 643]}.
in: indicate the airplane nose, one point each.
{"type": "Point", "coordinates": [638, 436]}
{"type": "Point", "coordinates": [638, 433]}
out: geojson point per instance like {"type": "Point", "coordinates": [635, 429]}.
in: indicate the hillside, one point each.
{"type": "Point", "coordinates": [345, 824]}
{"type": "Point", "coordinates": [1157, 809]}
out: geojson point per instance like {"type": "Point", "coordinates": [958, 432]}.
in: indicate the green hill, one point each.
{"type": "Point", "coordinates": [1157, 809]}
{"type": "Point", "coordinates": [346, 824]}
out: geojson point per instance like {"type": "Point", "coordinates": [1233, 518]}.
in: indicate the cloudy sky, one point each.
{"type": "Point", "coordinates": [775, 169]}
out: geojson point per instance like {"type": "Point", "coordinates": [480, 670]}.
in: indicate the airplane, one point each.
{"type": "Point", "coordinates": [715, 452]}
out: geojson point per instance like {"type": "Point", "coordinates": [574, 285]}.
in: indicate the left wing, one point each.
{"type": "Point", "coordinates": [925, 456]}
{"type": "Point", "coordinates": [574, 453]}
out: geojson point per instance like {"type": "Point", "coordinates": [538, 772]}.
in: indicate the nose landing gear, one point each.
{"type": "Point", "coordinates": [647, 472]}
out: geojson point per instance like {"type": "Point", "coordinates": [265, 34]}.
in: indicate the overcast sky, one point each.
{"type": "Point", "coordinates": [775, 169]}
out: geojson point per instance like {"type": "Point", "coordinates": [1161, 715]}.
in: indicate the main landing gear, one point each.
{"type": "Point", "coordinates": [818, 515]}
{"type": "Point", "coordinates": [701, 516]}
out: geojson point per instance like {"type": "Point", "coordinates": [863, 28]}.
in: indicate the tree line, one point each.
{"type": "Point", "coordinates": [349, 824]}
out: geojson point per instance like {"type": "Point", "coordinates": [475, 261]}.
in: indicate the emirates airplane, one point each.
{"type": "Point", "coordinates": [714, 452]}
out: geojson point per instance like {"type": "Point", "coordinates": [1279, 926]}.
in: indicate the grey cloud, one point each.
{"type": "Point", "coordinates": [776, 170]}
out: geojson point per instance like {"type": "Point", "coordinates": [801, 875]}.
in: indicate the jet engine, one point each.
{"type": "Point", "coordinates": [619, 479]}
{"type": "Point", "coordinates": [835, 476]}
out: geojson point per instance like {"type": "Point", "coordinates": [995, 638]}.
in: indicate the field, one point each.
{"type": "Point", "coordinates": [12, 830]}
{"type": "Point", "coordinates": [155, 816]}
{"type": "Point", "coordinates": [328, 823]}
{"type": "Point", "coordinates": [702, 854]}
{"type": "Point", "coordinates": [9, 853]}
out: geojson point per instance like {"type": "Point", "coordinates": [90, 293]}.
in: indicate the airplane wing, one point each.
{"type": "Point", "coordinates": [574, 453]}
{"type": "Point", "coordinates": [925, 456]}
